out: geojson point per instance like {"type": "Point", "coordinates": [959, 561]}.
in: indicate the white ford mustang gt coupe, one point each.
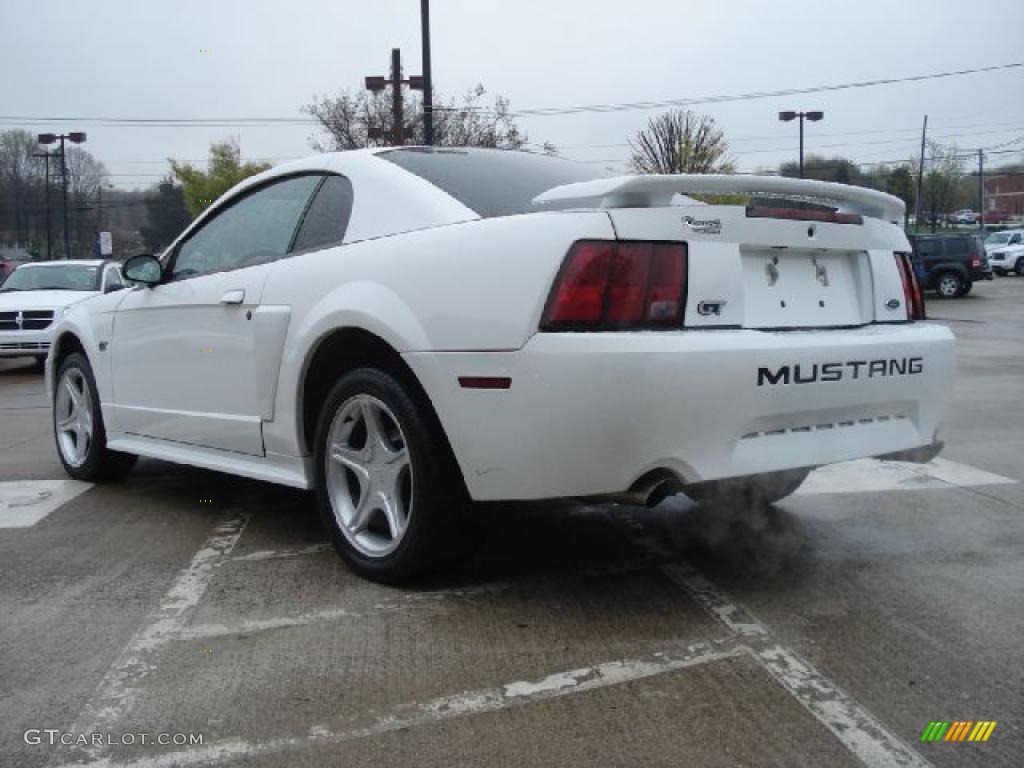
{"type": "Point", "coordinates": [407, 330]}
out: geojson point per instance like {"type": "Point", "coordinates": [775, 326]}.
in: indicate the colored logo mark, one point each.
{"type": "Point", "coordinates": [958, 730]}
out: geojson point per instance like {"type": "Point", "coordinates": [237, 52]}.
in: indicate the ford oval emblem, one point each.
{"type": "Point", "coordinates": [893, 304]}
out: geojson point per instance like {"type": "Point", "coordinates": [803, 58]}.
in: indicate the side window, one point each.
{"type": "Point", "coordinates": [926, 248]}
{"type": "Point", "coordinates": [327, 218]}
{"type": "Point", "coordinates": [1015, 239]}
{"type": "Point", "coordinates": [254, 230]}
{"type": "Point", "coordinates": [957, 246]}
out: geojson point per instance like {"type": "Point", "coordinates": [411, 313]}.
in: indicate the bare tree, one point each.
{"type": "Point", "coordinates": [21, 189]}
{"type": "Point", "coordinates": [680, 141]}
{"type": "Point", "coordinates": [351, 119]}
{"type": "Point", "coordinates": [940, 191]}
{"type": "Point", "coordinates": [85, 178]}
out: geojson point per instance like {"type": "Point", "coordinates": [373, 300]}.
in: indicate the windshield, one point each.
{"type": "Point", "coordinates": [998, 239]}
{"type": "Point", "coordinates": [493, 182]}
{"type": "Point", "coordinates": [63, 277]}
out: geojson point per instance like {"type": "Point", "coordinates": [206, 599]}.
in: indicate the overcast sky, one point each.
{"type": "Point", "coordinates": [148, 59]}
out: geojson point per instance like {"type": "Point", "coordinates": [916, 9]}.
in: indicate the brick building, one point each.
{"type": "Point", "coordinates": [1005, 193]}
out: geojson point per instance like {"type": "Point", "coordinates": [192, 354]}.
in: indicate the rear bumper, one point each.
{"type": "Point", "coordinates": [590, 414]}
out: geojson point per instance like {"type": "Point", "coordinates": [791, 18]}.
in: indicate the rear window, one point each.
{"type": "Point", "coordinates": [492, 182]}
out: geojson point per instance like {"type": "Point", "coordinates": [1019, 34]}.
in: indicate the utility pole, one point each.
{"type": "Point", "coordinates": [397, 116]}
{"type": "Point", "coordinates": [379, 83]}
{"type": "Point", "coordinates": [981, 190]}
{"type": "Point", "coordinates": [49, 225]}
{"type": "Point", "coordinates": [920, 179]}
{"type": "Point", "coordinates": [428, 93]}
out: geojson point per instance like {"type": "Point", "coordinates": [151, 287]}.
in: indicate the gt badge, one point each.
{"type": "Point", "coordinates": [713, 307]}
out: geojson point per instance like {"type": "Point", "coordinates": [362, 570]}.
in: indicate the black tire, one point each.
{"type": "Point", "coordinates": [100, 463]}
{"type": "Point", "coordinates": [967, 289]}
{"type": "Point", "coordinates": [949, 285]}
{"type": "Point", "coordinates": [754, 490]}
{"type": "Point", "coordinates": [1018, 268]}
{"type": "Point", "coordinates": [437, 500]}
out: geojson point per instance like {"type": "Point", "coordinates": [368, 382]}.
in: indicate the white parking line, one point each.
{"type": "Point", "coordinates": [861, 732]}
{"type": "Point", "coordinates": [23, 503]}
{"type": "Point", "coordinates": [448, 707]}
{"type": "Point", "coordinates": [117, 691]}
{"type": "Point", "coordinates": [398, 602]}
{"type": "Point", "coordinates": [874, 475]}
{"type": "Point", "coordinates": [250, 626]}
{"type": "Point", "coordinates": [278, 554]}
{"type": "Point", "coordinates": [858, 730]}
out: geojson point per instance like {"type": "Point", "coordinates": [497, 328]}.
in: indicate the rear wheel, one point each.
{"type": "Point", "coordinates": [385, 489]}
{"type": "Point", "coordinates": [755, 490]}
{"type": "Point", "coordinates": [78, 425]}
{"type": "Point", "coordinates": [949, 285]}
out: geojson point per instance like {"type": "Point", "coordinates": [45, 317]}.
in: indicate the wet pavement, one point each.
{"type": "Point", "coordinates": [827, 630]}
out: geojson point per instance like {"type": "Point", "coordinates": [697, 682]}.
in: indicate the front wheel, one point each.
{"type": "Point", "coordinates": [385, 490]}
{"type": "Point", "coordinates": [1018, 268]}
{"type": "Point", "coordinates": [78, 425]}
{"type": "Point", "coordinates": [755, 490]}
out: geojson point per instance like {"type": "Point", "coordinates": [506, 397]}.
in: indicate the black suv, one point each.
{"type": "Point", "coordinates": [949, 264]}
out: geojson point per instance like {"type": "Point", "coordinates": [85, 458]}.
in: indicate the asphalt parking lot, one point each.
{"type": "Point", "coordinates": [828, 630]}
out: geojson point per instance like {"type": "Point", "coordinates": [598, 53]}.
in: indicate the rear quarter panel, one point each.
{"type": "Point", "coordinates": [475, 286]}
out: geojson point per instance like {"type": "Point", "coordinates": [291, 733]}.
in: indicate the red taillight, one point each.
{"type": "Point", "coordinates": [976, 261]}
{"type": "Point", "coordinates": [912, 296]}
{"type": "Point", "coordinates": [607, 285]}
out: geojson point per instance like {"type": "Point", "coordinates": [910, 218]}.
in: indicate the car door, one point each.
{"type": "Point", "coordinates": [184, 351]}
{"type": "Point", "coordinates": [929, 253]}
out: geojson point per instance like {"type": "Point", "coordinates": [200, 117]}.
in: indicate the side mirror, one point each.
{"type": "Point", "coordinates": [144, 268]}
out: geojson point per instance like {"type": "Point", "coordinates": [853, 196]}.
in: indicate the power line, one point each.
{"type": "Point", "coordinates": [551, 111]}
{"type": "Point", "coordinates": [222, 122]}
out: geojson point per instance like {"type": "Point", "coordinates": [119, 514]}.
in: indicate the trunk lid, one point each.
{"type": "Point", "coordinates": [765, 273]}
{"type": "Point", "coordinates": [762, 268]}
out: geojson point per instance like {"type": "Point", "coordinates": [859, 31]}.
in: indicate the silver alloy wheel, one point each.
{"type": "Point", "coordinates": [73, 416]}
{"type": "Point", "coordinates": [949, 286]}
{"type": "Point", "coordinates": [369, 476]}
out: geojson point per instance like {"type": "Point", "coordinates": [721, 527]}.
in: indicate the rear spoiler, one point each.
{"type": "Point", "coordinates": [658, 190]}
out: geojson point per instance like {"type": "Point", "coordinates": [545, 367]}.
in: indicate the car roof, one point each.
{"type": "Point", "coordinates": [58, 262]}
{"type": "Point", "coordinates": [388, 199]}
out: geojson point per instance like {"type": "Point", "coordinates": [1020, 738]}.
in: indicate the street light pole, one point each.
{"type": "Point", "coordinates": [377, 83]}
{"type": "Point", "coordinates": [49, 225]}
{"type": "Point", "coordinates": [75, 137]}
{"type": "Point", "coordinates": [64, 174]}
{"type": "Point", "coordinates": [814, 117]}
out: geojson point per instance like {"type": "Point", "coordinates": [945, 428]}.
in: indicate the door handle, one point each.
{"type": "Point", "coordinates": [236, 296]}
